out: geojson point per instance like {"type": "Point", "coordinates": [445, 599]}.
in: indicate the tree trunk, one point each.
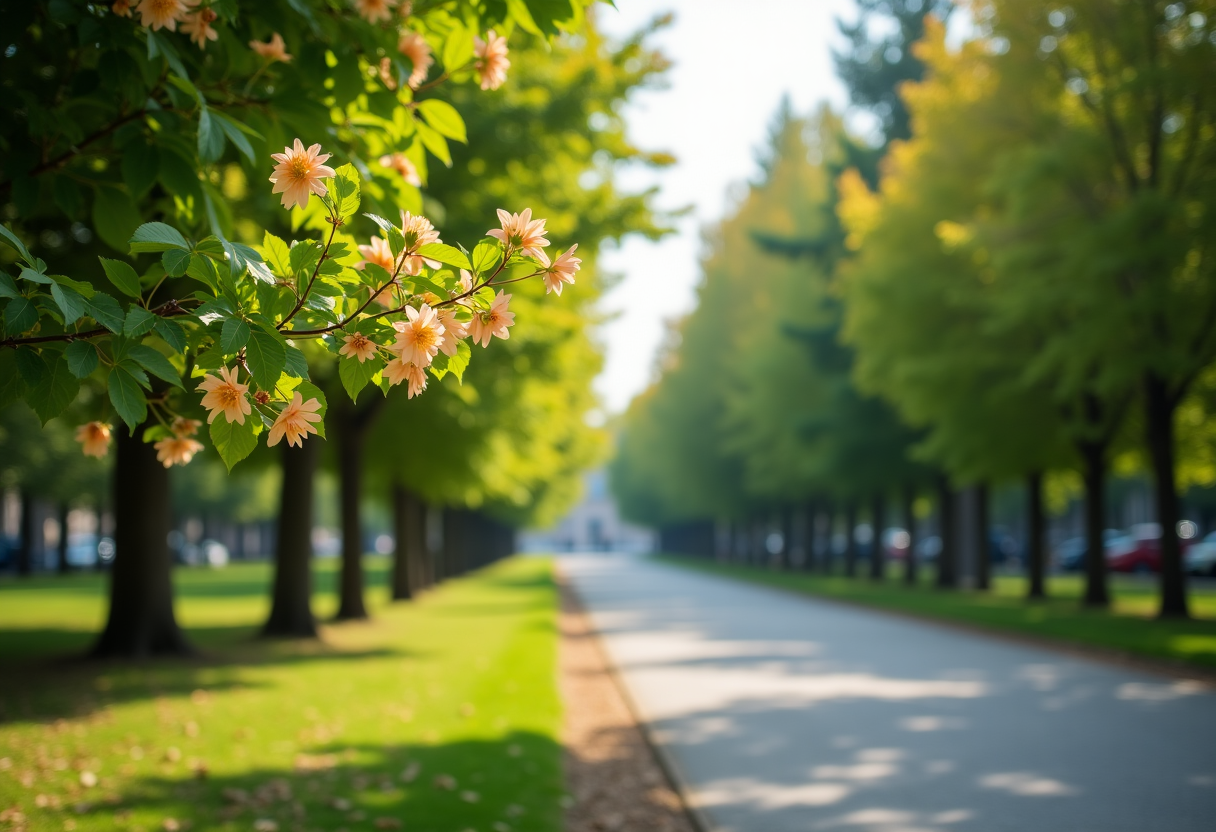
{"type": "Point", "coordinates": [1093, 457]}
{"type": "Point", "coordinates": [25, 552]}
{"type": "Point", "coordinates": [350, 475]}
{"type": "Point", "coordinates": [1159, 407]}
{"type": "Point", "coordinates": [850, 540]}
{"type": "Point", "coordinates": [983, 547]}
{"type": "Point", "coordinates": [787, 538]}
{"type": "Point", "coordinates": [291, 599]}
{"type": "Point", "coordinates": [878, 552]}
{"type": "Point", "coordinates": [141, 621]}
{"type": "Point", "coordinates": [1036, 528]}
{"type": "Point", "coordinates": [947, 558]}
{"type": "Point", "coordinates": [64, 566]}
{"type": "Point", "coordinates": [810, 557]}
{"type": "Point", "coordinates": [410, 550]}
{"type": "Point", "coordinates": [910, 565]}
{"type": "Point", "coordinates": [828, 562]}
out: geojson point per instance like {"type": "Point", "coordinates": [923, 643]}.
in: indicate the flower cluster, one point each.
{"type": "Point", "coordinates": [179, 448]}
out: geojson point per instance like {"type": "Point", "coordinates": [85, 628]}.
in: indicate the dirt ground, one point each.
{"type": "Point", "coordinates": [615, 780]}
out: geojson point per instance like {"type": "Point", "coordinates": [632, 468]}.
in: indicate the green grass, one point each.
{"type": "Point", "coordinates": [301, 736]}
{"type": "Point", "coordinates": [1128, 627]}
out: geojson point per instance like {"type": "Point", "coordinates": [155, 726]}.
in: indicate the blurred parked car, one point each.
{"type": "Point", "coordinates": [82, 549]}
{"type": "Point", "coordinates": [895, 540]}
{"type": "Point", "coordinates": [1140, 551]}
{"type": "Point", "coordinates": [1070, 554]}
{"type": "Point", "coordinates": [1201, 557]}
{"type": "Point", "coordinates": [928, 548]}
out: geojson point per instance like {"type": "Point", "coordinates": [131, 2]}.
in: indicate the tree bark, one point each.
{"type": "Point", "coordinates": [350, 476]}
{"type": "Point", "coordinates": [1036, 529]}
{"type": "Point", "coordinates": [947, 558]}
{"type": "Point", "coordinates": [787, 538]}
{"type": "Point", "coordinates": [141, 622]}
{"type": "Point", "coordinates": [1093, 458]}
{"type": "Point", "coordinates": [291, 599]}
{"type": "Point", "coordinates": [878, 552]}
{"type": "Point", "coordinates": [410, 550]}
{"type": "Point", "coordinates": [910, 565]}
{"type": "Point", "coordinates": [850, 540]}
{"type": "Point", "coordinates": [25, 552]}
{"type": "Point", "coordinates": [63, 565]}
{"type": "Point", "coordinates": [983, 547]}
{"type": "Point", "coordinates": [1159, 422]}
{"type": "Point", "coordinates": [810, 557]}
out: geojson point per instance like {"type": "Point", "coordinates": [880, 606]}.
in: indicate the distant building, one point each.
{"type": "Point", "coordinates": [594, 525]}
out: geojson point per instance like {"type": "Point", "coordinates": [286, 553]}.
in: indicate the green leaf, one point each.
{"type": "Point", "coordinates": [81, 287]}
{"type": "Point", "coordinates": [233, 335]}
{"type": "Point", "coordinates": [30, 365]}
{"type": "Point", "coordinates": [70, 303]}
{"type": "Point", "coordinates": [122, 276]}
{"type": "Point", "coordinates": [81, 357]}
{"type": "Point", "coordinates": [308, 390]}
{"type": "Point", "coordinates": [66, 193]}
{"type": "Point", "coordinates": [277, 254]}
{"type": "Point", "coordinates": [210, 136]}
{"type": "Point", "coordinates": [454, 364]}
{"type": "Point", "coordinates": [355, 374]}
{"type": "Point", "coordinates": [297, 364]}
{"type": "Point", "coordinates": [15, 242]}
{"type": "Point", "coordinates": [51, 396]}
{"type": "Point", "coordinates": [172, 333]}
{"type": "Point", "coordinates": [457, 48]}
{"type": "Point", "coordinates": [445, 254]}
{"type": "Point", "coordinates": [115, 216]}
{"type": "Point", "coordinates": [444, 118]}
{"type": "Point", "coordinates": [266, 355]}
{"type": "Point", "coordinates": [139, 322]}
{"type": "Point", "coordinates": [434, 142]}
{"type": "Point", "coordinates": [303, 256]}
{"type": "Point", "coordinates": [19, 316]}
{"type": "Point", "coordinates": [232, 129]}
{"type": "Point", "coordinates": [486, 255]}
{"type": "Point", "coordinates": [35, 276]}
{"type": "Point", "coordinates": [156, 236]}
{"type": "Point", "coordinates": [203, 270]}
{"type": "Point", "coordinates": [140, 164]}
{"type": "Point", "coordinates": [161, 46]}
{"type": "Point", "coordinates": [107, 312]}
{"type": "Point", "coordinates": [346, 190]}
{"type": "Point", "coordinates": [8, 286]}
{"type": "Point", "coordinates": [521, 15]}
{"type": "Point", "coordinates": [12, 383]}
{"type": "Point", "coordinates": [127, 397]}
{"type": "Point", "coordinates": [233, 440]}
{"type": "Point", "coordinates": [176, 262]}
{"type": "Point", "coordinates": [156, 364]}
{"type": "Point", "coordinates": [136, 372]}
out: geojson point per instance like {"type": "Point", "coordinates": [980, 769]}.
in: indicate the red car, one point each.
{"type": "Point", "coordinates": [1140, 551]}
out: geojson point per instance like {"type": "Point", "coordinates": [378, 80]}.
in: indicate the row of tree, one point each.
{"type": "Point", "coordinates": [1017, 281]}
{"type": "Point", "coordinates": [502, 447]}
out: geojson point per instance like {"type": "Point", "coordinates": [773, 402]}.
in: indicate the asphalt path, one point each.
{"type": "Point", "coordinates": [781, 712]}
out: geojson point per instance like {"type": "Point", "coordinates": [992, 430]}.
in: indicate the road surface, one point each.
{"type": "Point", "coordinates": [786, 713]}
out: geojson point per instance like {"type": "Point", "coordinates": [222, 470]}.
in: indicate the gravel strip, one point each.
{"type": "Point", "coordinates": [616, 783]}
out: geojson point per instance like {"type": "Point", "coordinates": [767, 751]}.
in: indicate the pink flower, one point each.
{"type": "Point", "coordinates": [453, 330]}
{"type": "Point", "coordinates": [299, 172]}
{"type": "Point", "coordinates": [94, 438]}
{"type": "Point", "coordinates": [176, 450]}
{"type": "Point", "coordinates": [374, 11]}
{"type": "Point", "coordinates": [399, 370]}
{"type": "Point", "coordinates": [415, 48]}
{"type": "Point", "coordinates": [358, 346]}
{"type": "Point", "coordinates": [272, 50]}
{"type": "Point", "coordinates": [418, 339]}
{"type": "Point", "coordinates": [198, 27]}
{"type": "Point", "coordinates": [379, 253]}
{"type": "Point", "coordinates": [492, 60]}
{"type": "Point", "coordinates": [161, 14]}
{"type": "Point", "coordinates": [225, 395]}
{"type": "Point", "coordinates": [495, 321]}
{"type": "Point", "coordinates": [417, 231]}
{"type": "Point", "coordinates": [402, 164]}
{"type": "Point", "coordinates": [295, 421]}
{"type": "Point", "coordinates": [561, 270]}
{"type": "Point", "coordinates": [520, 233]}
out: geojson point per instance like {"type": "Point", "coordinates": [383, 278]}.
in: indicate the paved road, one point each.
{"type": "Point", "coordinates": [784, 713]}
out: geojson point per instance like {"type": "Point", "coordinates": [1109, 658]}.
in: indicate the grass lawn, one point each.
{"type": "Point", "coordinates": [439, 715]}
{"type": "Point", "coordinates": [1128, 627]}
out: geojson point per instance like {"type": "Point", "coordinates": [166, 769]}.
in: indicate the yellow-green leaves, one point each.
{"type": "Point", "coordinates": [345, 186]}
{"type": "Point", "coordinates": [443, 117]}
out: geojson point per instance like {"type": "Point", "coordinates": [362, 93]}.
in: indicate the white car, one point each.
{"type": "Point", "coordinates": [1201, 557]}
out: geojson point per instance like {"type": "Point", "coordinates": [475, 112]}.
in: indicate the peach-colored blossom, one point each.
{"type": "Point", "coordinates": [198, 27]}
{"type": "Point", "coordinates": [379, 253]}
{"type": "Point", "coordinates": [417, 231]}
{"type": "Point", "coordinates": [224, 394]}
{"type": "Point", "coordinates": [357, 345]}
{"type": "Point", "coordinates": [419, 338]}
{"type": "Point", "coordinates": [161, 14]}
{"type": "Point", "coordinates": [402, 164]}
{"type": "Point", "coordinates": [176, 450]}
{"type": "Point", "coordinates": [415, 48]}
{"type": "Point", "coordinates": [295, 421]}
{"type": "Point", "coordinates": [122, 8]}
{"type": "Point", "coordinates": [561, 270]}
{"type": "Point", "coordinates": [387, 76]}
{"type": "Point", "coordinates": [399, 370]}
{"type": "Point", "coordinates": [493, 322]}
{"type": "Point", "coordinates": [272, 50]}
{"type": "Point", "coordinates": [520, 233]}
{"type": "Point", "coordinates": [299, 172]}
{"type": "Point", "coordinates": [492, 60]}
{"type": "Point", "coordinates": [183, 427]}
{"type": "Point", "coordinates": [453, 330]}
{"type": "Point", "coordinates": [94, 438]}
{"type": "Point", "coordinates": [375, 11]}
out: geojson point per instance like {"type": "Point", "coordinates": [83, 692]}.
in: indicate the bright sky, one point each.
{"type": "Point", "coordinates": [732, 64]}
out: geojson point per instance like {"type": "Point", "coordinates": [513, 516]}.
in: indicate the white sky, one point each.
{"type": "Point", "coordinates": [732, 64]}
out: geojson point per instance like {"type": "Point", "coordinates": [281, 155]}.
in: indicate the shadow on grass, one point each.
{"type": "Point", "coordinates": [512, 782]}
